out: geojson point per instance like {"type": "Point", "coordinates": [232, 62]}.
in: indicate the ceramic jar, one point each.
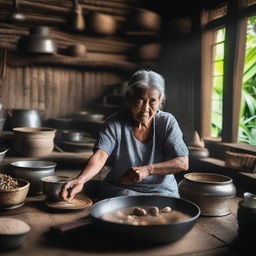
{"type": "Point", "coordinates": [33, 142]}
{"type": "Point", "coordinates": [211, 192]}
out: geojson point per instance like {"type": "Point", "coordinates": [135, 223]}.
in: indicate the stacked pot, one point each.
{"type": "Point", "coordinates": [31, 140]}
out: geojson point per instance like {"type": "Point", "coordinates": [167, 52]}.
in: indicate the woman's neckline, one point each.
{"type": "Point", "coordinates": [151, 136]}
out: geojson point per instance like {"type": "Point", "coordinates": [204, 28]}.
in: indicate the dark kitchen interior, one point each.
{"type": "Point", "coordinates": [64, 68]}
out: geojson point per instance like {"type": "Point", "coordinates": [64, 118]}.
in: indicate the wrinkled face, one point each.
{"type": "Point", "coordinates": [144, 104]}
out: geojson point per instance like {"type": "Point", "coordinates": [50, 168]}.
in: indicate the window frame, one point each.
{"type": "Point", "coordinates": [235, 22]}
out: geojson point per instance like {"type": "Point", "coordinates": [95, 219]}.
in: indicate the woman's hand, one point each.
{"type": "Point", "coordinates": [70, 189]}
{"type": "Point", "coordinates": [135, 175]}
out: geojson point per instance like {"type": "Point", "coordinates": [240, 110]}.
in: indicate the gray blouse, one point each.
{"type": "Point", "coordinates": [125, 151]}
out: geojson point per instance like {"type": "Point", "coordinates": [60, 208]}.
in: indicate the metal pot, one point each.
{"type": "Point", "coordinates": [211, 192]}
{"type": "Point", "coordinates": [52, 186]}
{"type": "Point", "coordinates": [33, 171]}
{"type": "Point", "coordinates": [85, 116]}
{"type": "Point", "coordinates": [38, 41]}
{"type": "Point", "coordinates": [24, 118]}
{"type": "Point", "coordinates": [149, 233]}
{"type": "Point", "coordinates": [73, 135]}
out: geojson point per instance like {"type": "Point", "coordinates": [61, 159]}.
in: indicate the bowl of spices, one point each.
{"type": "Point", "coordinates": [13, 192]}
{"type": "Point", "coordinates": [12, 233]}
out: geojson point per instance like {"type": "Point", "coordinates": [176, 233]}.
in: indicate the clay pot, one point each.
{"type": "Point", "coordinates": [77, 50]}
{"type": "Point", "coordinates": [211, 192]}
{"type": "Point", "coordinates": [102, 24]}
{"type": "Point", "coordinates": [144, 20]}
{"type": "Point", "coordinates": [33, 142]}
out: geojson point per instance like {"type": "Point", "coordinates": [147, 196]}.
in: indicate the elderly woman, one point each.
{"type": "Point", "coordinates": [143, 144]}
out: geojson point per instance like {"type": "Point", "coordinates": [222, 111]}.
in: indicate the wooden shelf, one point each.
{"type": "Point", "coordinates": [16, 59]}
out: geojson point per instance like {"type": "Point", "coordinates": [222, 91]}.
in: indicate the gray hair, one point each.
{"type": "Point", "coordinates": [143, 79]}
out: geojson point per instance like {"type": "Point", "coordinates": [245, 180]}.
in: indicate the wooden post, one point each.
{"type": "Point", "coordinates": [206, 78]}
{"type": "Point", "coordinates": [233, 71]}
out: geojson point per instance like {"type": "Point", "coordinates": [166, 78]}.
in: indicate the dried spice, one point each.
{"type": "Point", "coordinates": [7, 182]}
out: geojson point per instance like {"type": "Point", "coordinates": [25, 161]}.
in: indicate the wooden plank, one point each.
{"type": "Point", "coordinates": [49, 91]}
{"type": "Point", "coordinates": [16, 59]}
{"type": "Point", "coordinates": [79, 89]}
{"type": "Point", "coordinates": [64, 92]}
{"type": "Point", "coordinates": [85, 88]}
{"type": "Point", "coordinates": [206, 80]}
{"type": "Point", "coordinates": [4, 89]}
{"type": "Point", "coordinates": [19, 88]}
{"type": "Point", "coordinates": [34, 88]}
{"type": "Point", "coordinates": [41, 88]}
{"type": "Point", "coordinates": [76, 96]}
{"type": "Point", "coordinates": [72, 92]}
{"type": "Point", "coordinates": [234, 54]}
{"type": "Point", "coordinates": [224, 228]}
{"type": "Point", "coordinates": [12, 89]}
{"type": "Point", "coordinates": [56, 97]}
{"type": "Point", "coordinates": [27, 84]}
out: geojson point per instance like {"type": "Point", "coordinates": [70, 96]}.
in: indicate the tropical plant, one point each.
{"type": "Point", "coordinates": [247, 124]}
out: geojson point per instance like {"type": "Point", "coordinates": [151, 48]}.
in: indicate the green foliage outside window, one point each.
{"type": "Point", "coordinates": [247, 124]}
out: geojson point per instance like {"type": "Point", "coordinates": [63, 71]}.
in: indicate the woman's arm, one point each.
{"type": "Point", "coordinates": [174, 165]}
{"type": "Point", "coordinates": [137, 174]}
{"type": "Point", "coordinates": [94, 165]}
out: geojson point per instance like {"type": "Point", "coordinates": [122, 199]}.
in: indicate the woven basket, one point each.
{"type": "Point", "coordinates": [246, 162]}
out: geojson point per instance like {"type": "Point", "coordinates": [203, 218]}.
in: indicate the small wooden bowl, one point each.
{"type": "Point", "coordinates": [77, 50]}
{"type": "Point", "coordinates": [15, 197]}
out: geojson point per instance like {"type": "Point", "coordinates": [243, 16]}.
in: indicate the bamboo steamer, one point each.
{"type": "Point", "coordinates": [33, 142]}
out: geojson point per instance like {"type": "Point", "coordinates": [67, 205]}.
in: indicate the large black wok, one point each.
{"type": "Point", "coordinates": [150, 233]}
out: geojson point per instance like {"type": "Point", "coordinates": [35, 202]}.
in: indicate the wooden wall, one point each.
{"type": "Point", "coordinates": [58, 91]}
{"type": "Point", "coordinates": [69, 84]}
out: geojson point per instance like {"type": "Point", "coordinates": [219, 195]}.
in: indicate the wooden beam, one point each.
{"type": "Point", "coordinates": [206, 78]}
{"type": "Point", "coordinates": [233, 71]}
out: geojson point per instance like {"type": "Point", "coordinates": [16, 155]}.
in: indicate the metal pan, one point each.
{"type": "Point", "coordinates": [151, 233]}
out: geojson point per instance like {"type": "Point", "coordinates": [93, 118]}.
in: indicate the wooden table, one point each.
{"type": "Point", "coordinates": [210, 235]}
